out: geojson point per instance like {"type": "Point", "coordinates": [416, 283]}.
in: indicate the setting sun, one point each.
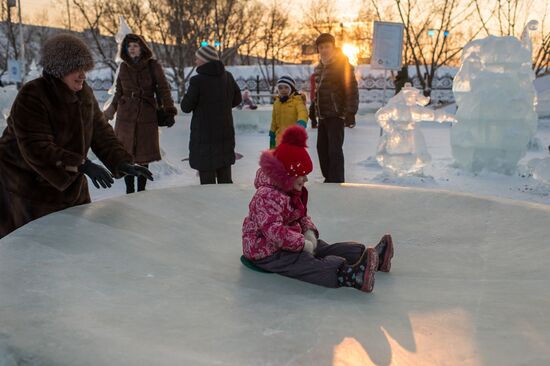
{"type": "Point", "coordinates": [351, 52]}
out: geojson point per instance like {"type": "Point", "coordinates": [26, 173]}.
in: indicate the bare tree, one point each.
{"type": "Point", "coordinates": [235, 25]}
{"type": "Point", "coordinates": [541, 55]}
{"type": "Point", "coordinates": [320, 16]}
{"type": "Point", "coordinates": [433, 37]}
{"type": "Point", "coordinates": [276, 37]}
{"type": "Point", "coordinates": [136, 14]}
{"type": "Point", "coordinates": [92, 12]}
{"type": "Point", "coordinates": [11, 48]}
{"type": "Point", "coordinates": [177, 28]}
{"type": "Point", "coordinates": [509, 17]}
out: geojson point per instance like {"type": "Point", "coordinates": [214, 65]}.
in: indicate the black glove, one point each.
{"type": "Point", "coordinates": [98, 174]}
{"type": "Point", "coordinates": [349, 120]}
{"type": "Point", "coordinates": [312, 113]}
{"type": "Point", "coordinates": [135, 170]}
{"type": "Point", "coordinates": [170, 121]}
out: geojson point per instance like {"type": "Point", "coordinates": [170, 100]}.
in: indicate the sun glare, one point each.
{"type": "Point", "coordinates": [351, 51]}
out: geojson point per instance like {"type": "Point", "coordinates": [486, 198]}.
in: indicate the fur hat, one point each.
{"type": "Point", "coordinates": [65, 53]}
{"type": "Point", "coordinates": [292, 152]}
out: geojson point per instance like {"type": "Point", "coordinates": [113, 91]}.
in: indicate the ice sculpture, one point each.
{"type": "Point", "coordinates": [540, 169]}
{"type": "Point", "coordinates": [123, 30]}
{"type": "Point", "coordinates": [402, 148]}
{"type": "Point", "coordinates": [34, 72]}
{"type": "Point", "coordinates": [496, 103]}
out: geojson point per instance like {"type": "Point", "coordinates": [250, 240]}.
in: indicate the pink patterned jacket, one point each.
{"type": "Point", "coordinates": [277, 215]}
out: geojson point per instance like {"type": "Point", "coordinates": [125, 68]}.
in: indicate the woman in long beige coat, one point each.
{"type": "Point", "coordinates": [135, 104]}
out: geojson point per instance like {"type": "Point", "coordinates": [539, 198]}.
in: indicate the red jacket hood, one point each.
{"type": "Point", "coordinates": [272, 172]}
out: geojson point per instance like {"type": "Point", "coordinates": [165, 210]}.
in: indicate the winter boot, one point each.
{"type": "Point", "coordinates": [129, 181]}
{"type": "Point", "coordinates": [384, 249]}
{"type": "Point", "coordinates": [141, 182]}
{"type": "Point", "coordinates": [361, 274]}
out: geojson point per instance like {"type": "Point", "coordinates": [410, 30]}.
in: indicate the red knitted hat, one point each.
{"type": "Point", "coordinates": [292, 152]}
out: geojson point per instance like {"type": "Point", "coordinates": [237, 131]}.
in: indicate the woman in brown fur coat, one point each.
{"type": "Point", "coordinates": [54, 121]}
{"type": "Point", "coordinates": [135, 105]}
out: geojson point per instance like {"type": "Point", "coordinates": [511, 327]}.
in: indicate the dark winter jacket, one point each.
{"type": "Point", "coordinates": [211, 95]}
{"type": "Point", "coordinates": [135, 104]}
{"type": "Point", "coordinates": [336, 93]}
{"type": "Point", "coordinates": [51, 127]}
{"type": "Point", "coordinates": [401, 78]}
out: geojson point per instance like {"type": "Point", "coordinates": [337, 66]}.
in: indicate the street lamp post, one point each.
{"type": "Point", "coordinates": [13, 4]}
{"type": "Point", "coordinates": [22, 44]}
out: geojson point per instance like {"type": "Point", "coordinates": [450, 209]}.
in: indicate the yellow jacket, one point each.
{"type": "Point", "coordinates": [287, 114]}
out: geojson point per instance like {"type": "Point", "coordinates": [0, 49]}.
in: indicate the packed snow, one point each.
{"type": "Point", "coordinates": [360, 150]}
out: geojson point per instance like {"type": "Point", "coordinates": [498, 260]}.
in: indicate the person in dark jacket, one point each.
{"type": "Point", "coordinates": [336, 103]}
{"type": "Point", "coordinates": [401, 78]}
{"type": "Point", "coordinates": [135, 105]}
{"type": "Point", "coordinates": [211, 95]}
{"type": "Point", "coordinates": [54, 121]}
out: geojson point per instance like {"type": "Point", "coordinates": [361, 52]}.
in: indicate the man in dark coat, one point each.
{"type": "Point", "coordinates": [336, 103]}
{"type": "Point", "coordinates": [211, 95]}
{"type": "Point", "coordinates": [54, 121]}
{"type": "Point", "coordinates": [135, 104]}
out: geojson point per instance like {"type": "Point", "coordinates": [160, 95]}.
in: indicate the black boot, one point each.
{"type": "Point", "coordinates": [361, 274]}
{"type": "Point", "coordinates": [141, 182]}
{"type": "Point", "coordinates": [129, 181]}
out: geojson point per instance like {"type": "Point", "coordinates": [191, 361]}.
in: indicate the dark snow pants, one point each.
{"type": "Point", "coordinates": [330, 142]}
{"type": "Point", "coordinates": [320, 269]}
{"type": "Point", "coordinates": [222, 175]}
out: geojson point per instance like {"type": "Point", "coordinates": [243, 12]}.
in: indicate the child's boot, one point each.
{"type": "Point", "coordinates": [361, 274]}
{"type": "Point", "coordinates": [385, 253]}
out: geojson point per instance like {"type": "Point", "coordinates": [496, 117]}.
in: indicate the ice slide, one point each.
{"type": "Point", "coordinates": [155, 279]}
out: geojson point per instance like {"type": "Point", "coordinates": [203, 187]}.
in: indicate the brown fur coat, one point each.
{"type": "Point", "coordinates": [135, 104]}
{"type": "Point", "coordinates": [51, 127]}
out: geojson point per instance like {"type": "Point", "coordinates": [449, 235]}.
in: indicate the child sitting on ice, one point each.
{"type": "Point", "coordinates": [289, 109]}
{"type": "Point", "coordinates": [279, 236]}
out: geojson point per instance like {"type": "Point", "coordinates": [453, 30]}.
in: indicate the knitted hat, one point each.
{"type": "Point", "coordinates": [287, 80]}
{"type": "Point", "coordinates": [207, 54]}
{"type": "Point", "coordinates": [325, 38]}
{"type": "Point", "coordinates": [65, 53]}
{"type": "Point", "coordinates": [292, 152]}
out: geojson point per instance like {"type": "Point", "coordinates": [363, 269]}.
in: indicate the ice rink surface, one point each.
{"type": "Point", "coordinates": [154, 279]}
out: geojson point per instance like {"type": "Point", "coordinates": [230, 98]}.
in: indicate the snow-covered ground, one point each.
{"type": "Point", "coordinates": [361, 167]}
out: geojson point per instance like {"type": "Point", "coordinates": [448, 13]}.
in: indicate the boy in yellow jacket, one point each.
{"type": "Point", "coordinates": [289, 109]}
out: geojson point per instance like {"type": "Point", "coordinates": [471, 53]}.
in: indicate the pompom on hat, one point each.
{"type": "Point", "coordinates": [292, 152]}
